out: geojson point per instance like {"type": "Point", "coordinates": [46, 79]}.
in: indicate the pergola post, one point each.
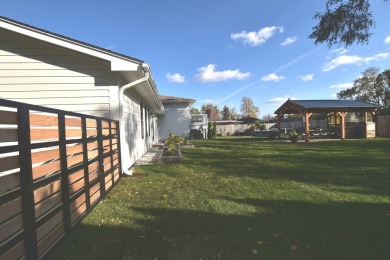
{"type": "Point", "coordinates": [307, 126]}
{"type": "Point", "coordinates": [342, 114]}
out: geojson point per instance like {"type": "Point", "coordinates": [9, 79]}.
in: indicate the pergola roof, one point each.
{"type": "Point", "coordinates": [324, 106]}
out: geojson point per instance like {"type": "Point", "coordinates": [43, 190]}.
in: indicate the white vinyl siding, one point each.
{"type": "Point", "coordinates": [136, 145]}
{"type": "Point", "coordinates": [45, 74]}
{"type": "Point", "coordinates": [176, 120]}
{"type": "Point", "coordinates": [42, 74]}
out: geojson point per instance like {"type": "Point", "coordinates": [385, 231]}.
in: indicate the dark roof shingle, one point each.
{"type": "Point", "coordinates": [322, 106]}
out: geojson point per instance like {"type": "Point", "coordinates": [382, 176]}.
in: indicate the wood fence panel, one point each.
{"type": "Point", "coordinates": [9, 163]}
{"type": "Point", "coordinates": [383, 126]}
{"type": "Point", "coordinates": [8, 118]}
{"type": "Point", "coordinates": [69, 162]}
{"type": "Point", "coordinates": [16, 252]}
{"type": "Point", "coordinates": [44, 156]}
{"type": "Point", "coordinates": [8, 135]}
{"type": "Point", "coordinates": [78, 208]}
{"type": "Point", "coordinates": [9, 182]}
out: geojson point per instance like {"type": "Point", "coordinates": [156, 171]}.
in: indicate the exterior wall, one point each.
{"type": "Point", "coordinates": [136, 143]}
{"type": "Point", "coordinates": [39, 73]}
{"type": "Point", "coordinates": [176, 120]}
{"type": "Point", "coordinates": [227, 129]}
{"type": "Point", "coordinates": [44, 74]}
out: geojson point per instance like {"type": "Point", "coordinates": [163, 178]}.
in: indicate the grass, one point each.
{"type": "Point", "coordinates": [243, 198]}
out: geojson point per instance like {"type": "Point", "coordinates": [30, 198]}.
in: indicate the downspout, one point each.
{"type": "Point", "coordinates": [125, 164]}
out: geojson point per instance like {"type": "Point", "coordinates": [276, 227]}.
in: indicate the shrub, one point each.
{"type": "Point", "coordinates": [210, 130]}
{"type": "Point", "coordinates": [172, 144]}
{"type": "Point", "coordinates": [294, 136]}
{"type": "Point", "coordinates": [214, 130]}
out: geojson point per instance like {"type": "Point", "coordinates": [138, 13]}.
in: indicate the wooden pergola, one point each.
{"type": "Point", "coordinates": [338, 107]}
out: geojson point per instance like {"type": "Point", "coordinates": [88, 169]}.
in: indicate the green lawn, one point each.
{"type": "Point", "coordinates": [245, 198]}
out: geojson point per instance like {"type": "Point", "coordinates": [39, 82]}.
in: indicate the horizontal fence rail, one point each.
{"type": "Point", "coordinates": [54, 167]}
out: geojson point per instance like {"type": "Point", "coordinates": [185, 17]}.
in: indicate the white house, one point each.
{"type": "Point", "coordinates": [177, 117]}
{"type": "Point", "coordinates": [44, 68]}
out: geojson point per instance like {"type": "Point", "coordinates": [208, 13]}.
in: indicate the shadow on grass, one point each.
{"type": "Point", "coordinates": [275, 230]}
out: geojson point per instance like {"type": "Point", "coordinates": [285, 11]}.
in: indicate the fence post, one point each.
{"type": "Point", "coordinates": [100, 158]}
{"type": "Point", "coordinates": [119, 148]}
{"type": "Point", "coordinates": [64, 172]}
{"type": "Point", "coordinates": [26, 181]}
{"type": "Point", "coordinates": [85, 163]}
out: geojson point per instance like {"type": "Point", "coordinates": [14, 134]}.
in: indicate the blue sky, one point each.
{"type": "Point", "coordinates": [218, 51]}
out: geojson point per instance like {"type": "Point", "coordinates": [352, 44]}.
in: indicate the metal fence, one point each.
{"type": "Point", "coordinates": [54, 167]}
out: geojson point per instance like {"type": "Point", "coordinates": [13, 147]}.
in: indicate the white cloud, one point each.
{"type": "Point", "coordinates": [307, 77]}
{"type": "Point", "coordinates": [334, 95]}
{"type": "Point", "coordinates": [272, 77]}
{"type": "Point", "coordinates": [210, 74]}
{"type": "Point", "coordinates": [289, 40]}
{"type": "Point", "coordinates": [257, 38]}
{"type": "Point", "coordinates": [278, 100]}
{"type": "Point", "coordinates": [341, 60]}
{"type": "Point", "coordinates": [342, 85]}
{"type": "Point", "coordinates": [348, 60]}
{"type": "Point", "coordinates": [177, 78]}
{"type": "Point", "coordinates": [377, 57]}
{"type": "Point", "coordinates": [340, 51]}
{"type": "Point", "coordinates": [387, 40]}
{"type": "Point", "coordinates": [208, 101]}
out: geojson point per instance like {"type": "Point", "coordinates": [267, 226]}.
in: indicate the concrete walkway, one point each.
{"type": "Point", "coordinates": [150, 157]}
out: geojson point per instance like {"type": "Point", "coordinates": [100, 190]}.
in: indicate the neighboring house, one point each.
{"type": "Point", "coordinates": [43, 68]}
{"type": "Point", "coordinates": [199, 126]}
{"type": "Point", "coordinates": [177, 117]}
{"type": "Point", "coordinates": [230, 127]}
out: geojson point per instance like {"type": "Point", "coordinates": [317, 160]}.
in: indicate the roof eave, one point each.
{"type": "Point", "coordinates": [290, 105]}
{"type": "Point", "coordinates": [118, 62]}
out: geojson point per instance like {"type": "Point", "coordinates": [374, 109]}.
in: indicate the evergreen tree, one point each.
{"type": "Point", "coordinates": [214, 130]}
{"type": "Point", "coordinates": [209, 130]}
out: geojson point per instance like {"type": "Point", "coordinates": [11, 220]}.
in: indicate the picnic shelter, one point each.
{"type": "Point", "coordinates": [344, 116]}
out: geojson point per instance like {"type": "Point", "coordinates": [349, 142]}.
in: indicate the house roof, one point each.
{"type": "Point", "coordinates": [324, 106]}
{"type": "Point", "coordinates": [129, 68]}
{"type": "Point", "coordinates": [172, 99]}
{"type": "Point", "coordinates": [118, 60]}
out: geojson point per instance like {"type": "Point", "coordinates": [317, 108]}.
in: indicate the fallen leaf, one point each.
{"type": "Point", "coordinates": [294, 247]}
{"type": "Point", "coordinates": [254, 252]}
{"type": "Point", "coordinates": [260, 243]}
